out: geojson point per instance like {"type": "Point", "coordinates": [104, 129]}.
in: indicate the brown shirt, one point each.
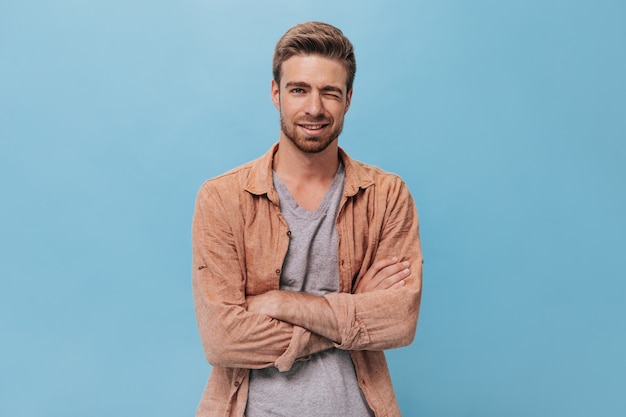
{"type": "Point", "coordinates": [239, 243]}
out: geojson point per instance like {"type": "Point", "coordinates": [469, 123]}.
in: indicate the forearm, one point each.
{"type": "Point", "coordinates": [377, 320]}
{"type": "Point", "coordinates": [317, 344]}
{"type": "Point", "coordinates": [231, 335]}
{"type": "Point", "coordinates": [245, 340]}
{"type": "Point", "coordinates": [303, 345]}
{"type": "Point", "coordinates": [235, 339]}
{"type": "Point", "coordinates": [309, 311]}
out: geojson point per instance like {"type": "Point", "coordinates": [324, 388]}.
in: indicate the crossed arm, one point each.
{"type": "Point", "coordinates": [277, 327]}
{"type": "Point", "coordinates": [313, 312]}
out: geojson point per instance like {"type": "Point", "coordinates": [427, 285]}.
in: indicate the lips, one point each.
{"type": "Point", "coordinates": [313, 127]}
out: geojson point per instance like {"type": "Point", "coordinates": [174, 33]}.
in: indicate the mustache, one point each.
{"type": "Point", "coordinates": [314, 119]}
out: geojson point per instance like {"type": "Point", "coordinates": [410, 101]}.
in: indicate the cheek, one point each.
{"type": "Point", "coordinates": [287, 109]}
{"type": "Point", "coordinates": [340, 112]}
{"type": "Point", "coordinates": [336, 107]}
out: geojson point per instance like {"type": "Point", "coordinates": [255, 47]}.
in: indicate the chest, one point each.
{"type": "Point", "coordinates": [265, 238]}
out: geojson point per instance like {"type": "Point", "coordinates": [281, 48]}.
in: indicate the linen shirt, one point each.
{"type": "Point", "coordinates": [240, 240]}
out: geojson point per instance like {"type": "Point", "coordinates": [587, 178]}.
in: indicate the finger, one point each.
{"type": "Point", "coordinates": [380, 265]}
{"type": "Point", "coordinates": [390, 271]}
{"type": "Point", "coordinates": [386, 274]}
{"type": "Point", "coordinates": [389, 277]}
{"type": "Point", "coordinates": [372, 274]}
{"type": "Point", "coordinates": [378, 272]}
{"type": "Point", "coordinates": [398, 284]}
{"type": "Point", "coordinates": [394, 279]}
{"type": "Point", "coordinates": [394, 268]}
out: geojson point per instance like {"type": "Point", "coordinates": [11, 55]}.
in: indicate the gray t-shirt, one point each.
{"type": "Point", "coordinates": [325, 385]}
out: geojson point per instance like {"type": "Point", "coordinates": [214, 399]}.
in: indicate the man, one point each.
{"type": "Point", "coordinates": [306, 263]}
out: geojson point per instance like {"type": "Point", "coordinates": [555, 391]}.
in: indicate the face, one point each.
{"type": "Point", "coordinates": [312, 100]}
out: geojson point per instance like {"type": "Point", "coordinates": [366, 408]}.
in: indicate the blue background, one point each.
{"type": "Point", "coordinates": [506, 118]}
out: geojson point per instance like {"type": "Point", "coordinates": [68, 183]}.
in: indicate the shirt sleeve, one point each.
{"type": "Point", "coordinates": [385, 319]}
{"type": "Point", "coordinates": [232, 337]}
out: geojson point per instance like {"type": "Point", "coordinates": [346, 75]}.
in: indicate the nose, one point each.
{"type": "Point", "coordinates": [314, 105]}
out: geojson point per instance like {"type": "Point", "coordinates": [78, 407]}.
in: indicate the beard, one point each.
{"type": "Point", "coordinates": [310, 144]}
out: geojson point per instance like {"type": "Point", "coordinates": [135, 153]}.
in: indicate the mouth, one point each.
{"type": "Point", "coordinates": [313, 128]}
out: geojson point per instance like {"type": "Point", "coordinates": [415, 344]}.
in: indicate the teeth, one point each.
{"type": "Point", "coordinates": [312, 127]}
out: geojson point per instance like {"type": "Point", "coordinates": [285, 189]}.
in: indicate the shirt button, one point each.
{"type": "Point", "coordinates": [277, 271]}
{"type": "Point", "coordinates": [236, 383]}
{"type": "Point", "coordinates": [289, 233]}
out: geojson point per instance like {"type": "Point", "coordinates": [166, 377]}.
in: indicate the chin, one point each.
{"type": "Point", "coordinates": [312, 145]}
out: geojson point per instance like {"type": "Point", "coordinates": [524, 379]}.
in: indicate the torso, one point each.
{"type": "Point", "coordinates": [326, 383]}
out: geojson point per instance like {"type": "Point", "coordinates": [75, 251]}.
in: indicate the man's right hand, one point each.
{"type": "Point", "coordinates": [384, 275]}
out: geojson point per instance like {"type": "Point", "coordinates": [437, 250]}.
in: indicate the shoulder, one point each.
{"type": "Point", "coordinates": [254, 177]}
{"type": "Point", "coordinates": [371, 178]}
{"type": "Point", "coordinates": [377, 173]}
{"type": "Point", "coordinates": [226, 191]}
{"type": "Point", "coordinates": [233, 179]}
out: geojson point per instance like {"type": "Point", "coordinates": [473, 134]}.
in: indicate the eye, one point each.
{"type": "Point", "coordinates": [297, 91]}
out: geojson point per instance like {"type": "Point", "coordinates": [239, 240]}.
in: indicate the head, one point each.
{"type": "Point", "coordinates": [315, 38]}
{"type": "Point", "coordinates": [314, 68]}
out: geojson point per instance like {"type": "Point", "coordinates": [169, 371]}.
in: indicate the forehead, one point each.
{"type": "Point", "coordinates": [315, 70]}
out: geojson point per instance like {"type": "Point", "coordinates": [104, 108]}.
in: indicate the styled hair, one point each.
{"type": "Point", "coordinates": [315, 38]}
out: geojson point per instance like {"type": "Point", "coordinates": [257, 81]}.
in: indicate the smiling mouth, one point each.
{"type": "Point", "coordinates": [313, 127]}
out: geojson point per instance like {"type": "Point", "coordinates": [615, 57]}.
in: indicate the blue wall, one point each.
{"type": "Point", "coordinates": [506, 118]}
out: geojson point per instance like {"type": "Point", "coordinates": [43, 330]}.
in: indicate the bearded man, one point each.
{"type": "Point", "coordinates": [306, 263]}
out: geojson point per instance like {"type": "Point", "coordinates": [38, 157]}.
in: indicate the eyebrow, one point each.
{"type": "Point", "coordinates": [302, 84]}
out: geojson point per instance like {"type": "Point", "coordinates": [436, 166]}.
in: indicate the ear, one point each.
{"type": "Point", "coordinates": [276, 94]}
{"type": "Point", "coordinates": [348, 100]}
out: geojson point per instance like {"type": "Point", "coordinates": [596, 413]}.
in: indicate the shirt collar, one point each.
{"type": "Point", "coordinates": [260, 179]}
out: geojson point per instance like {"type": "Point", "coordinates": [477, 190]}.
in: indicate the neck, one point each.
{"type": "Point", "coordinates": [293, 164]}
